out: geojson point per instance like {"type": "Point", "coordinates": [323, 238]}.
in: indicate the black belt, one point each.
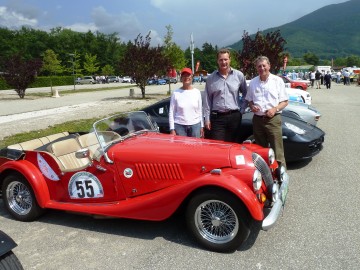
{"type": "Point", "coordinates": [265, 116]}
{"type": "Point", "coordinates": [224, 113]}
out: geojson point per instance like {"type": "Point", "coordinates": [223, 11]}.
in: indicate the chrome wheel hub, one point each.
{"type": "Point", "coordinates": [19, 198]}
{"type": "Point", "coordinates": [216, 221]}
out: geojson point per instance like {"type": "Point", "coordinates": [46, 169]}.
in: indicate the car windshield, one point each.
{"type": "Point", "coordinates": [123, 126]}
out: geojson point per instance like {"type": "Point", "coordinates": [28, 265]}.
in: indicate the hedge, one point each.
{"type": "Point", "coordinates": [43, 81]}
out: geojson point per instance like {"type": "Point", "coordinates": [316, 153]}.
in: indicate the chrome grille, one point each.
{"type": "Point", "coordinates": [264, 169]}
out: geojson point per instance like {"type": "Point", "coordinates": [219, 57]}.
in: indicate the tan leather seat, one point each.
{"type": "Point", "coordinates": [90, 142]}
{"type": "Point", "coordinates": [65, 151]}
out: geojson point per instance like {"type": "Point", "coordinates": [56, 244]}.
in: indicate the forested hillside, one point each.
{"type": "Point", "coordinates": [329, 32]}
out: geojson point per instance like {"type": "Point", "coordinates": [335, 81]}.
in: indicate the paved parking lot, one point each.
{"type": "Point", "coordinates": [318, 230]}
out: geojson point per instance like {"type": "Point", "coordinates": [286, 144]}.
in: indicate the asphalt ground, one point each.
{"type": "Point", "coordinates": [319, 228]}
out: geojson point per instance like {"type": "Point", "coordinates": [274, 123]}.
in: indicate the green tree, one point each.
{"type": "Point", "coordinates": [172, 51]}
{"type": "Point", "coordinates": [311, 59]}
{"type": "Point", "coordinates": [51, 64]}
{"type": "Point", "coordinates": [142, 61]}
{"type": "Point", "coordinates": [20, 73]}
{"type": "Point", "coordinates": [91, 65]}
{"type": "Point", "coordinates": [108, 70]}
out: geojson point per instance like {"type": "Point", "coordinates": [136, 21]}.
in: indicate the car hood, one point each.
{"type": "Point", "coordinates": [197, 154]}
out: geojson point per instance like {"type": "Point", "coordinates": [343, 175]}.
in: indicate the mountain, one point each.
{"type": "Point", "coordinates": [329, 32]}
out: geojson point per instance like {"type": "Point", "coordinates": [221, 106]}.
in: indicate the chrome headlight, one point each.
{"type": "Point", "coordinates": [271, 156]}
{"type": "Point", "coordinates": [257, 180]}
{"type": "Point", "coordinates": [294, 128]}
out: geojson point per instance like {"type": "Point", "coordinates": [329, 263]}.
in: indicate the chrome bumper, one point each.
{"type": "Point", "coordinates": [275, 211]}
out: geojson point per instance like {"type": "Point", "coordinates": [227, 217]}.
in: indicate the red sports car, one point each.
{"type": "Point", "coordinates": [125, 168]}
{"type": "Point", "coordinates": [303, 85]}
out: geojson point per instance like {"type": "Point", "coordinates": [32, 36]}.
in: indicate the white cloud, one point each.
{"type": "Point", "coordinates": [13, 19]}
{"type": "Point", "coordinates": [125, 24]}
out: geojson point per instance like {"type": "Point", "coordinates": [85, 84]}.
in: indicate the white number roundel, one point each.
{"type": "Point", "coordinates": [84, 185]}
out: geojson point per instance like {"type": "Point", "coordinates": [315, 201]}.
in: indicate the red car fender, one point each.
{"type": "Point", "coordinates": [238, 188]}
{"type": "Point", "coordinates": [33, 176]}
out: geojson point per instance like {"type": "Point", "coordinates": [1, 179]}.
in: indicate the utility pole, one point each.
{"type": "Point", "coordinates": [73, 67]}
{"type": "Point", "coordinates": [192, 51]}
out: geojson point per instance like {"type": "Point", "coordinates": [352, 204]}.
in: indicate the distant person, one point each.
{"type": "Point", "coordinates": [317, 79]}
{"type": "Point", "coordinates": [267, 97]}
{"type": "Point", "coordinates": [222, 107]}
{"type": "Point", "coordinates": [346, 75]}
{"type": "Point", "coordinates": [185, 112]}
{"type": "Point", "coordinates": [312, 78]}
{"type": "Point", "coordinates": [338, 77]}
{"type": "Point", "coordinates": [327, 80]}
{"type": "Point", "coordinates": [294, 75]}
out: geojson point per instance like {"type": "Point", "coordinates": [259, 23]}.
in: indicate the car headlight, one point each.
{"type": "Point", "coordinates": [257, 180]}
{"type": "Point", "coordinates": [294, 128]}
{"type": "Point", "coordinates": [271, 156]}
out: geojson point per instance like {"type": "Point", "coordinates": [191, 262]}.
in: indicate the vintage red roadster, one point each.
{"type": "Point", "coordinates": [125, 168]}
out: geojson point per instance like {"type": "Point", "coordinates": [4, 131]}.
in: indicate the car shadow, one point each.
{"type": "Point", "coordinates": [172, 229]}
{"type": "Point", "coordinates": [296, 165]}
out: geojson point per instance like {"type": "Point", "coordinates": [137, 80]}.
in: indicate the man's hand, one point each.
{"type": "Point", "coordinates": [208, 125]}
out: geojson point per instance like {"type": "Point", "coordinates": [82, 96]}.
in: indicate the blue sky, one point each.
{"type": "Point", "coordinates": [217, 22]}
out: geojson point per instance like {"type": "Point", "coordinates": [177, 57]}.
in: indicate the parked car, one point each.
{"type": "Point", "coordinates": [305, 96]}
{"type": "Point", "coordinates": [295, 83]}
{"type": "Point", "coordinates": [86, 80]}
{"type": "Point", "coordinates": [170, 79]}
{"type": "Point", "coordinates": [125, 168]}
{"type": "Point", "coordinates": [113, 79]}
{"type": "Point", "coordinates": [304, 111]}
{"type": "Point", "coordinates": [127, 79]}
{"type": "Point", "coordinates": [161, 82]}
{"type": "Point", "coordinates": [301, 139]}
{"type": "Point", "coordinates": [8, 259]}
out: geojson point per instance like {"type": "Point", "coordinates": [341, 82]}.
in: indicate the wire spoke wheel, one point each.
{"type": "Point", "coordinates": [19, 198]}
{"type": "Point", "coordinates": [218, 220]}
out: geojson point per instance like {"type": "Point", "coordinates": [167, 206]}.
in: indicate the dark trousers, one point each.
{"type": "Point", "coordinates": [225, 127]}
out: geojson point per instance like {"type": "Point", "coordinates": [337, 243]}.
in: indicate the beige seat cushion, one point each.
{"type": "Point", "coordinates": [65, 151]}
{"type": "Point", "coordinates": [90, 142]}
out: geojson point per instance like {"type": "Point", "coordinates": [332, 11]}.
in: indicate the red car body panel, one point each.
{"type": "Point", "coordinates": [294, 83]}
{"type": "Point", "coordinates": [158, 185]}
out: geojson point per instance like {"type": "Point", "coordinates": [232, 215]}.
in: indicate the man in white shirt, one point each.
{"type": "Point", "coordinates": [267, 97]}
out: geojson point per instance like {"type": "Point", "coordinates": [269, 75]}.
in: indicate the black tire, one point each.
{"type": "Point", "coordinates": [9, 261]}
{"type": "Point", "coordinates": [299, 87]}
{"type": "Point", "coordinates": [218, 220]}
{"type": "Point", "coordinates": [19, 198]}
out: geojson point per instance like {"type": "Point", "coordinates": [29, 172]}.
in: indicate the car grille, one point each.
{"type": "Point", "coordinates": [264, 169]}
{"type": "Point", "coordinates": [148, 171]}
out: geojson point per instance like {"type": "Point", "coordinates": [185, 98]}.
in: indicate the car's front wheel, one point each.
{"type": "Point", "coordinates": [19, 198]}
{"type": "Point", "coordinates": [218, 220]}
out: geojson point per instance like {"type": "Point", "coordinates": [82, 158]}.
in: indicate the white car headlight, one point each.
{"type": "Point", "coordinates": [257, 180]}
{"type": "Point", "coordinates": [294, 128]}
{"type": "Point", "coordinates": [271, 156]}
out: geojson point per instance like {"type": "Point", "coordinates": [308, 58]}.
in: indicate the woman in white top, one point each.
{"type": "Point", "coordinates": [185, 113]}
